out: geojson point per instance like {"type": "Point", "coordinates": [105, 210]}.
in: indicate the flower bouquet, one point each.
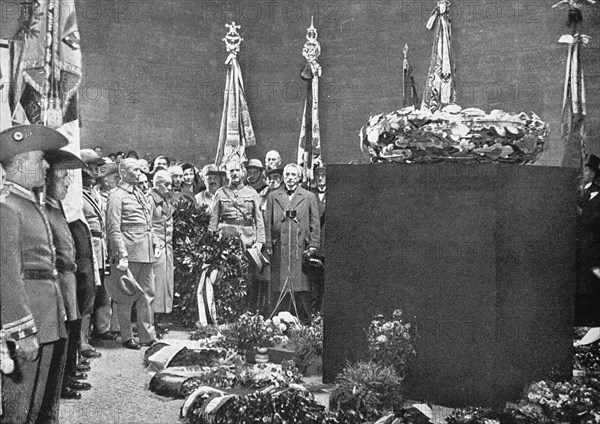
{"type": "Point", "coordinates": [452, 133]}
{"type": "Point", "coordinates": [389, 342]}
{"type": "Point", "coordinates": [254, 331]}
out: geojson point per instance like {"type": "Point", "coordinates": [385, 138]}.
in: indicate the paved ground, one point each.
{"type": "Point", "coordinates": [120, 392]}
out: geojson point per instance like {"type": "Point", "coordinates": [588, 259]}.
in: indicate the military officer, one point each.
{"type": "Point", "coordinates": [32, 305]}
{"type": "Point", "coordinates": [58, 179]}
{"type": "Point", "coordinates": [132, 245]}
{"type": "Point", "coordinates": [237, 212]}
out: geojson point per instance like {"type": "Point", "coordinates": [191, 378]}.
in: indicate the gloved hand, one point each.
{"type": "Point", "coordinates": [28, 348]}
{"type": "Point", "coordinates": [123, 264]}
{"type": "Point", "coordinates": [257, 246]}
{"type": "Point", "coordinates": [596, 272]}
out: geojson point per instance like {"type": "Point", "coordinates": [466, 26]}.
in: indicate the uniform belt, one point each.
{"type": "Point", "coordinates": [126, 226]}
{"type": "Point", "coordinates": [241, 222]}
{"type": "Point", "coordinates": [40, 274]}
{"type": "Point", "coordinates": [97, 234]}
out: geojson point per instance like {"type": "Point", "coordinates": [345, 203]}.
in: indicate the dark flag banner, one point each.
{"type": "Point", "coordinates": [47, 74]}
{"type": "Point", "coordinates": [409, 89]}
{"type": "Point", "coordinates": [236, 133]}
{"type": "Point", "coordinates": [309, 143]}
{"type": "Point", "coordinates": [440, 86]}
{"type": "Point", "coordinates": [573, 130]}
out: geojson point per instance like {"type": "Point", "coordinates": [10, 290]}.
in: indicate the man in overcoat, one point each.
{"type": "Point", "coordinates": [132, 245]}
{"type": "Point", "coordinates": [32, 306]}
{"type": "Point", "coordinates": [159, 198]}
{"type": "Point", "coordinates": [292, 232]}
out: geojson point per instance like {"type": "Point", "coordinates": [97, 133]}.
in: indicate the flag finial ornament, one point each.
{"type": "Point", "coordinates": [232, 39]}
{"type": "Point", "coordinates": [312, 48]}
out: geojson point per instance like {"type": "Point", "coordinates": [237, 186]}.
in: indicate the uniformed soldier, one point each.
{"type": "Point", "coordinates": [132, 245]}
{"type": "Point", "coordinates": [104, 319]}
{"type": "Point", "coordinates": [213, 180]}
{"type": "Point", "coordinates": [95, 217]}
{"type": "Point", "coordinates": [32, 305]}
{"type": "Point", "coordinates": [58, 179]}
{"type": "Point", "coordinates": [256, 180]}
{"type": "Point", "coordinates": [237, 213]}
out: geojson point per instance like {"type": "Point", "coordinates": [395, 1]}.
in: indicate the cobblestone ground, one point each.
{"type": "Point", "coordinates": [120, 392]}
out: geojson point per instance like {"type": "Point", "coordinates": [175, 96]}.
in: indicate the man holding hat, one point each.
{"type": "Point", "coordinates": [58, 179]}
{"type": "Point", "coordinates": [237, 213]}
{"type": "Point", "coordinates": [255, 175]}
{"type": "Point", "coordinates": [213, 180]}
{"type": "Point", "coordinates": [32, 305]}
{"type": "Point", "coordinates": [132, 246]}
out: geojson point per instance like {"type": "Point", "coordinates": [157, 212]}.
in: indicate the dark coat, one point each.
{"type": "Point", "coordinates": [588, 238]}
{"type": "Point", "coordinates": [288, 246]}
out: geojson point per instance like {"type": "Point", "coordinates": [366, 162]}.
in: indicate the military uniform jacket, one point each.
{"type": "Point", "coordinates": [129, 225]}
{"type": "Point", "coordinates": [94, 216]}
{"type": "Point", "coordinates": [30, 260]}
{"type": "Point", "coordinates": [65, 257]}
{"type": "Point", "coordinates": [238, 207]}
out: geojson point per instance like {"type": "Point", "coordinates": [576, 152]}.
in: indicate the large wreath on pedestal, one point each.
{"type": "Point", "coordinates": [452, 133]}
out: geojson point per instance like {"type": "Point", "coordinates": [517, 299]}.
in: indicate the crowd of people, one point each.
{"type": "Point", "coordinates": [72, 281]}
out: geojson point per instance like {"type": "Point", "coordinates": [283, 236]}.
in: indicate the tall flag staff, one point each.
{"type": "Point", "coordinates": [409, 89]}
{"type": "Point", "coordinates": [309, 143]}
{"type": "Point", "coordinates": [236, 133]}
{"type": "Point", "coordinates": [47, 75]}
{"type": "Point", "coordinates": [573, 129]}
{"type": "Point", "coordinates": [440, 84]}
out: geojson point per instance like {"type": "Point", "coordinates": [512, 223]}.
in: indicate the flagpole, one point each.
{"type": "Point", "coordinates": [309, 143]}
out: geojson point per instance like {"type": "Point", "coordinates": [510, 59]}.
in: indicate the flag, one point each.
{"type": "Point", "coordinates": [236, 133]}
{"type": "Point", "coordinates": [47, 74]}
{"type": "Point", "coordinates": [439, 86]}
{"type": "Point", "coordinates": [309, 143]}
{"type": "Point", "coordinates": [409, 90]}
{"type": "Point", "coordinates": [573, 129]}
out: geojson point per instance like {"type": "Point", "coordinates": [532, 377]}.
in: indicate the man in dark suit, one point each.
{"type": "Point", "coordinates": [317, 270]}
{"type": "Point", "coordinates": [588, 251]}
{"type": "Point", "coordinates": [292, 232]}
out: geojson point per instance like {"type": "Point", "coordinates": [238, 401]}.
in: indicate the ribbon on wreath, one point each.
{"type": "Point", "coordinates": [439, 86]}
{"type": "Point", "coordinates": [207, 310]}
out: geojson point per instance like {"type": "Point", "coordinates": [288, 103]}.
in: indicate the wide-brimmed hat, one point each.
{"type": "Point", "coordinates": [89, 157]}
{"type": "Point", "coordinates": [28, 138]}
{"type": "Point", "coordinates": [122, 286]}
{"type": "Point", "coordinates": [275, 171]}
{"type": "Point", "coordinates": [258, 259]}
{"type": "Point", "coordinates": [63, 159]}
{"type": "Point", "coordinates": [212, 170]}
{"type": "Point", "coordinates": [255, 163]}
